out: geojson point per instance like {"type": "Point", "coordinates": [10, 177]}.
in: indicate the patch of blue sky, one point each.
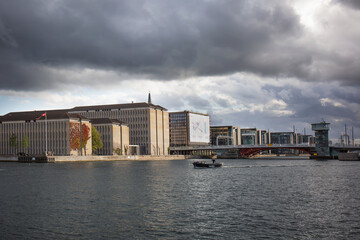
{"type": "Point", "coordinates": [16, 104]}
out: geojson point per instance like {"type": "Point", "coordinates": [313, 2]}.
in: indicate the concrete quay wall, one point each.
{"type": "Point", "coordinates": [121, 158]}
{"type": "Point", "coordinates": [8, 158]}
{"type": "Point", "coordinates": [352, 156]}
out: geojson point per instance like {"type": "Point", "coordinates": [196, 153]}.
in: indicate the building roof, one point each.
{"type": "Point", "coordinates": [116, 106]}
{"type": "Point", "coordinates": [106, 121]}
{"type": "Point", "coordinates": [71, 113]}
{"type": "Point", "coordinates": [283, 133]}
{"type": "Point", "coordinates": [186, 111]}
{"type": "Point", "coordinates": [225, 126]}
{"type": "Point", "coordinates": [33, 115]}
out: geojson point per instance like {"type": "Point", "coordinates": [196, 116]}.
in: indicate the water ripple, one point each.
{"type": "Point", "coordinates": [246, 199]}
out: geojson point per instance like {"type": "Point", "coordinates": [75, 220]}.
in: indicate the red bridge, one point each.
{"type": "Point", "coordinates": [241, 150]}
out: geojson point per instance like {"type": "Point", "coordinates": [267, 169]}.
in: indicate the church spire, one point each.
{"type": "Point", "coordinates": [149, 98]}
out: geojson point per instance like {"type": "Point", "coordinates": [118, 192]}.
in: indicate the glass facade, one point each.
{"type": "Point", "coordinates": [282, 138]}
{"type": "Point", "coordinates": [264, 137]}
{"type": "Point", "coordinates": [249, 136]}
{"type": "Point", "coordinates": [178, 129]}
{"type": "Point", "coordinates": [322, 138]}
{"type": "Point", "coordinates": [221, 135]}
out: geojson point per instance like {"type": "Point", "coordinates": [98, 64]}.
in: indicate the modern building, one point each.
{"type": "Point", "coordinates": [249, 136]}
{"type": "Point", "coordinates": [283, 137]}
{"type": "Point", "coordinates": [322, 138]}
{"type": "Point", "coordinates": [225, 135]}
{"type": "Point", "coordinates": [57, 133]}
{"type": "Point", "coordinates": [264, 137]}
{"type": "Point", "coordinates": [114, 135]}
{"type": "Point", "coordinates": [189, 128]}
{"type": "Point", "coordinates": [308, 139]}
{"type": "Point", "coordinates": [288, 138]}
{"type": "Point", "coordinates": [148, 123]}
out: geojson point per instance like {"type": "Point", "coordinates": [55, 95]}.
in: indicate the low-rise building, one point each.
{"type": "Point", "coordinates": [148, 125]}
{"type": "Point", "coordinates": [56, 132]}
{"type": "Point", "coordinates": [225, 135]}
{"type": "Point", "coordinates": [308, 139]}
{"type": "Point", "coordinates": [249, 136]}
{"type": "Point", "coordinates": [283, 138]}
{"type": "Point", "coordinates": [114, 135]}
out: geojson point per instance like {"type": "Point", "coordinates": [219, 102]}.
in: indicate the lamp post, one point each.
{"type": "Point", "coordinates": [80, 137]}
{"type": "Point", "coordinates": [46, 147]}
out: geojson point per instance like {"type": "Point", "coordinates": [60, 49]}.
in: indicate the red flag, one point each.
{"type": "Point", "coordinates": [43, 115]}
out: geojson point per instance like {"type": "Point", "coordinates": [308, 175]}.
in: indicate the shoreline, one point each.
{"type": "Point", "coordinates": [283, 156]}
{"type": "Point", "coordinates": [94, 158]}
{"type": "Point", "coordinates": [121, 158]}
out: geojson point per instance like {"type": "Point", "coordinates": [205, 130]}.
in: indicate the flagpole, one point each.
{"type": "Point", "coordinates": [46, 134]}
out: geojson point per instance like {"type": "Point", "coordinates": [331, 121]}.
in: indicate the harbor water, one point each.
{"type": "Point", "coordinates": [245, 199]}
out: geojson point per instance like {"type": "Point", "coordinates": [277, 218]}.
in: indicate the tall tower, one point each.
{"type": "Point", "coordinates": [322, 138]}
{"type": "Point", "coordinates": [149, 98]}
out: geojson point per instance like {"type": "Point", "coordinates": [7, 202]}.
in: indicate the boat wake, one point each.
{"type": "Point", "coordinates": [263, 166]}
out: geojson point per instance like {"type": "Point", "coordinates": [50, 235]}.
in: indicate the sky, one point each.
{"type": "Point", "coordinates": [275, 64]}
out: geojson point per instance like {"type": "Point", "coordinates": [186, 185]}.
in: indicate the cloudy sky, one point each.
{"type": "Point", "coordinates": [267, 64]}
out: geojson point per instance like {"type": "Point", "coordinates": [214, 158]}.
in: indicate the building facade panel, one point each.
{"type": "Point", "coordinates": [225, 135]}
{"type": "Point", "coordinates": [189, 129]}
{"type": "Point", "coordinates": [179, 129]}
{"type": "Point", "coordinates": [125, 139]}
{"type": "Point", "coordinates": [166, 133]}
{"type": "Point", "coordinates": [282, 137]}
{"type": "Point", "coordinates": [152, 132]}
{"type": "Point", "coordinates": [34, 137]}
{"type": "Point", "coordinates": [249, 136]}
{"type": "Point", "coordinates": [322, 140]}
{"type": "Point", "coordinates": [160, 133]}
{"type": "Point", "coordinates": [114, 135]}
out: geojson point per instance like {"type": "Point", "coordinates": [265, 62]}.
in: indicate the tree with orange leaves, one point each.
{"type": "Point", "coordinates": [75, 136]}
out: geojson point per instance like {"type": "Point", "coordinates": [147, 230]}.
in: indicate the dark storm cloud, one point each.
{"type": "Point", "coordinates": [197, 102]}
{"type": "Point", "coordinates": [350, 94]}
{"type": "Point", "coordinates": [222, 102]}
{"type": "Point", "coordinates": [161, 39]}
{"type": "Point", "coordinates": [350, 3]}
{"type": "Point", "coordinates": [156, 39]}
{"type": "Point", "coordinates": [310, 108]}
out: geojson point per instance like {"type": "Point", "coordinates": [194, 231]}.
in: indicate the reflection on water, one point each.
{"type": "Point", "coordinates": [286, 199]}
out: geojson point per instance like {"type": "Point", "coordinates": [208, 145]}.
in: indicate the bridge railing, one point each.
{"type": "Point", "coordinates": [265, 146]}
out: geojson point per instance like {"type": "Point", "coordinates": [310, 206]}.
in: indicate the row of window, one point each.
{"type": "Point", "coordinates": [35, 131]}
{"type": "Point", "coordinates": [36, 145]}
{"type": "Point", "coordinates": [138, 120]}
{"type": "Point", "coordinates": [51, 126]}
{"type": "Point", "coordinates": [115, 114]}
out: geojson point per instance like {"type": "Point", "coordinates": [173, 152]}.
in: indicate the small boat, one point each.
{"type": "Point", "coordinates": [203, 164]}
